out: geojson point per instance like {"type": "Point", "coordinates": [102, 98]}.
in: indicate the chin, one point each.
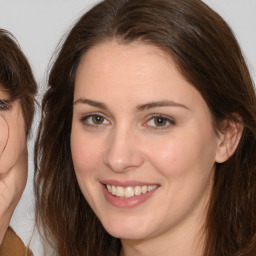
{"type": "Point", "coordinates": [127, 234]}
{"type": "Point", "coordinates": [127, 229]}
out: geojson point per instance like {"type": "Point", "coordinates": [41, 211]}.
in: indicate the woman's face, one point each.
{"type": "Point", "coordinates": [142, 141]}
{"type": "Point", "coordinates": [13, 147]}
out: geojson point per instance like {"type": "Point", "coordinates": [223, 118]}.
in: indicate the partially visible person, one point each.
{"type": "Point", "coordinates": [17, 92]}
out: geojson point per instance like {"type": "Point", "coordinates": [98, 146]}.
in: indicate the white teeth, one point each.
{"type": "Point", "coordinates": [109, 188]}
{"type": "Point", "coordinates": [128, 192]}
{"type": "Point", "coordinates": [113, 190]}
{"type": "Point", "coordinates": [144, 190]}
{"type": "Point", "coordinates": [119, 191]}
{"type": "Point", "coordinates": [137, 190]}
{"type": "Point", "coordinates": [150, 188]}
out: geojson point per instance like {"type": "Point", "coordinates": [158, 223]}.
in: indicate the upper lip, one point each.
{"type": "Point", "coordinates": [131, 183]}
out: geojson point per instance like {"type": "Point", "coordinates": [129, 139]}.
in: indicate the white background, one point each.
{"type": "Point", "coordinates": [38, 25]}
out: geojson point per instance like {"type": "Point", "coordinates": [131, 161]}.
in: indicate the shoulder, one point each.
{"type": "Point", "coordinates": [13, 245]}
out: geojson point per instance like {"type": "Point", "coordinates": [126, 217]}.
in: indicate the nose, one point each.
{"type": "Point", "coordinates": [123, 151]}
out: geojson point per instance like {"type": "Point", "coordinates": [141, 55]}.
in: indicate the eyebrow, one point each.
{"type": "Point", "coordinates": [91, 103]}
{"type": "Point", "coordinates": [147, 106]}
{"type": "Point", "coordinates": [156, 104]}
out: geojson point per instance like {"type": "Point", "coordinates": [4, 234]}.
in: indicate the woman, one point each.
{"type": "Point", "coordinates": [147, 139]}
{"type": "Point", "coordinates": [17, 90]}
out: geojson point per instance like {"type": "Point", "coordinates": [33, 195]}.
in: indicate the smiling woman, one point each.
{"type": "Point", "coordinates": [17, 90]}
{"type": "Point", "coordinates": [149, 144]}
{"type": "Point", "coordinates": [153, 115]}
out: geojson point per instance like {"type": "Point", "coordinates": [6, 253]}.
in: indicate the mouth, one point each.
{"type": "Point", "coordinates": [128, 194]}
{"type": "Point", "coordinates": [130, 191]}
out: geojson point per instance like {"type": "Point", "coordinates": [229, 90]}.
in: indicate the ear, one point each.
{"type": "Point", "coordinates": [229, 137]}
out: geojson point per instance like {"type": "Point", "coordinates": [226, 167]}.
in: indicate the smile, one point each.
{"type": "Point", "coordinates": [128, 192]}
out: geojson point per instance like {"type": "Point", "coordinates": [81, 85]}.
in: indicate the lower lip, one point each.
{"type": "Point", "coordinates": [126, 202]}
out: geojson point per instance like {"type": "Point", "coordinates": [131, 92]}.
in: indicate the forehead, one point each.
{"type": "Point", "coordinates": [129, 65]}
{"type": "Point", "coordinates": [114, 51]}
{"type": "Point", "coordinates": [136, 68]}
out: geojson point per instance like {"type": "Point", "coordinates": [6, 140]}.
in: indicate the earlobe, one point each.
{"type": "Point", "coordinates": [229, 138]}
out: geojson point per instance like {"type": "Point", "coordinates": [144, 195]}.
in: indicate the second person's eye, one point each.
{"type": "Point", "coordinates": [4, 105]}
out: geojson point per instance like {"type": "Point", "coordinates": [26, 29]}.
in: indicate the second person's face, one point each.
{"type": "Point", "coordinates": [13, 140]}
{"type": "Point", "coordinates": [142, 141]}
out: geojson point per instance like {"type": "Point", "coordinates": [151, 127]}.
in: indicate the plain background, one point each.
{"type": "Point", "coordinates": [38, 26]}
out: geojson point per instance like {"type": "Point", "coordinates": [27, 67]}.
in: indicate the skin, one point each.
{"type": "Point", "coordinates": [13, 160]}
{"type": "Point", "coordinates": [128, 145]}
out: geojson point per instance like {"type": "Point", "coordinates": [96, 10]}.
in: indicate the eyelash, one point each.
{"type": "Point", "coordinates": [4, 104]}
{"type": "Point", "coordinates": [85, 121]}
{"type": "Point", "coordinates": [167, 121]}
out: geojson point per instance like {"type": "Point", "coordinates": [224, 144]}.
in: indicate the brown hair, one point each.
{"type": "Point", "coordinates": [16, 77]}
{"type": "Point", "coordinates": [207, 54]}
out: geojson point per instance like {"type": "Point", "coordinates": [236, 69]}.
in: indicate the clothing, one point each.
{"type": "Point", "coordinates": [12, 245]}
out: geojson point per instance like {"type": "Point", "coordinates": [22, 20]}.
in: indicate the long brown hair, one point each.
{"type": "Point", "coordinates": [207, 54]}
{"type": "Point", "coordinates": [16, 77]}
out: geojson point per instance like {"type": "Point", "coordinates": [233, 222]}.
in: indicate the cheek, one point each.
{"type": "Point", "coordinates": [3, 134]}
{"type": "Point", "coordinates": [171, 159]}
{"type": "Point", "coordinates": [86, 153]}
{"type": "Point", "coordinates": [12, 140]}
{"type": "Point", "coordinates": [181, 155]}
{"type": "Point", "coordinates": [86, 156]}
{"type": "Point", "coordinates": [17, 140]}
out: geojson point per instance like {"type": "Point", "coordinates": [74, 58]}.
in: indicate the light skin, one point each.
{"type": "Point", "coordinates": [13, 159]}
{"type": "Point", "coordinates": [137, 121]}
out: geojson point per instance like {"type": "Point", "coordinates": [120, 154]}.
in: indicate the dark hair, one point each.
{"type": "Point", "coordinates": [207, 54]}
{"type": "Point", "coordinates": [16, 77]}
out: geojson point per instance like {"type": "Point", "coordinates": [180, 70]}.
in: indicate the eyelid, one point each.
{"type": "Point", "coordinates": [169, 119]}
{"type": "Point", "coordinates": [4, 104]}
{"type": "Point", "coordinates": [87, 116]}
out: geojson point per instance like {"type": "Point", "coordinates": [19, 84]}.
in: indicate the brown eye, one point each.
{"type": "Point", "coordinates": [160, 121]}
{"type": "Point", "coordinates": [94, 120]}
{"type": "Point", "coordinates": [97, 119]}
